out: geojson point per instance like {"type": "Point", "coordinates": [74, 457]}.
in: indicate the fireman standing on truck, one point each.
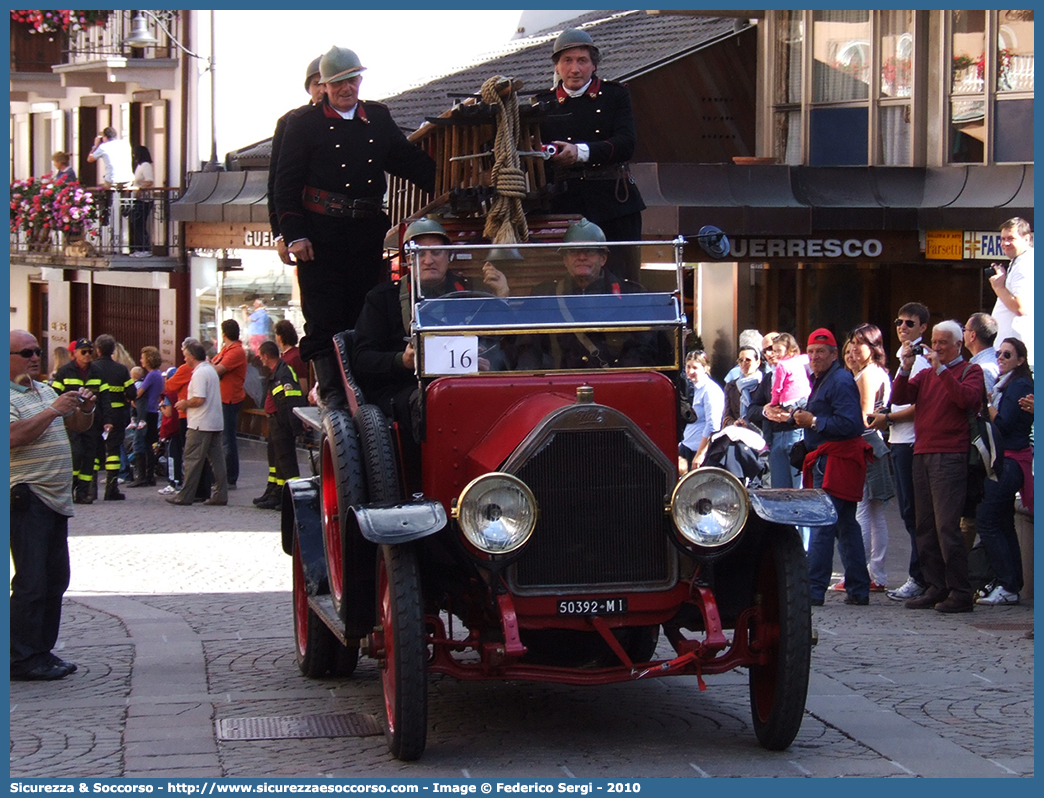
{"type": "Point", "coordinates": [330, 188]}
{"type": "Point", "coordinates": [591, 123]}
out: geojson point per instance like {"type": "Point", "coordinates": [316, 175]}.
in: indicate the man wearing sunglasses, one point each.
{"type": "Point", "coordinates": [910, 325]}
{"type": "Point", "coordinates": [41, 505]}
{"type": "Point", "coordinates": [87, 446]}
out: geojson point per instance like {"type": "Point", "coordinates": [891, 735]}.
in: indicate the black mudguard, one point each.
{"type": "Point", "coordinates": [793, 507]}
{"type": "Point", "coordinates": [400, 522]}
{"type": "Point", "coordinates": [301, 516]}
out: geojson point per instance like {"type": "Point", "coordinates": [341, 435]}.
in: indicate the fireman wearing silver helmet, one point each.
{"type": "Point", "coordinates": [330, 185]}
{"type": "Point", "coordinates": [315, 90]}
{"type": "Point", "coordinates": [586, 273]}
{"type": "Point", "coordinates": [591, 123]}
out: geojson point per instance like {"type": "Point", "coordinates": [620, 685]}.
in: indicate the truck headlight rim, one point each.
{"type": "Point", "coordinates": [496, 512]}
{"type": "Point", "coordinates": [709, 507]}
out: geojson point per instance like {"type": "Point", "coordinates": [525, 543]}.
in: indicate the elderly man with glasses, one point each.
{"type": "Point", "coordinates": [41, 505]}
{"type": "Point", "coordinates": [945, 393]}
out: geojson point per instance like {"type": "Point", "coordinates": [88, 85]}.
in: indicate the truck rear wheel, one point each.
{"type": "Point", "coordinates": [314, 643]}
{"type": "Point", "coordinates": [341, 475]}
{"type": "Point", "coordinates": [779, 687]}
{"type": "Point", "coordinates": [404, 655]}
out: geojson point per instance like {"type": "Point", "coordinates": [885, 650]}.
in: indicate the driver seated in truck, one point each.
{"type": "Point", "coordinates": [383, 358]}
{"type": "Point", "coordinates": [586, 274]}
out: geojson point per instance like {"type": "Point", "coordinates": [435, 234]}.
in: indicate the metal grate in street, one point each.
{"type": "Point", "coordinates": [347, 724]}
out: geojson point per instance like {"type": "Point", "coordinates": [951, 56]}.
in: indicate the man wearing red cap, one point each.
{"type": "Point", "coordinates": [836, 462]}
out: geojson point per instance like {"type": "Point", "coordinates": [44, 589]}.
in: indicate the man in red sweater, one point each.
{"type": "Point", "coordinates": [944, 394]}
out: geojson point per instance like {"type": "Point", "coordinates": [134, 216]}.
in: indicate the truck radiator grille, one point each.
{"type": "Point", "coordinates": [602, 523]}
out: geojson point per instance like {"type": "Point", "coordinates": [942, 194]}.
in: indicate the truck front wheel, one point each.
{"type": "Point", "coordinates": [778, 687]}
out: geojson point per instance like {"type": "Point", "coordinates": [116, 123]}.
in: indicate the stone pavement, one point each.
{"type": "Point", "coordinates": [180, 617]}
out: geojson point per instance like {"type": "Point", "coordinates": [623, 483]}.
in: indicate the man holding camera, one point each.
{"type": "Point", "coordinates": [945, 393]}
{"type": "Point", "coordinates": [898, 421]}
{"type": "Point", "coordinates": [1013, 285]}
{"type": "Point", "coordinates": [41, 505]}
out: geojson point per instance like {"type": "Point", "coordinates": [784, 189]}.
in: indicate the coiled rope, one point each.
{"type": "Point", "coordinates": [505, 223]}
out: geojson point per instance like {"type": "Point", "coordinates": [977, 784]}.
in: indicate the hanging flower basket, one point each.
{"type": "Point", "coordinates": [58, 21]}
{"type": "Point", "coordinates": [41, 206]}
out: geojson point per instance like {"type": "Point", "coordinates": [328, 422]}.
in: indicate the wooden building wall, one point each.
{"type": "Point", "coordinates": [701, 108]}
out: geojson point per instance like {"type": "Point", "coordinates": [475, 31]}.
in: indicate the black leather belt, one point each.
{"type": "Point", "coordinates": [610, 172]}
{"type": "Point", "coordinates": [328, 203]}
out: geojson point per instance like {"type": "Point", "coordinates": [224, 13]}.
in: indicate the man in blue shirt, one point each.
{"type": "Point", "coordinates": [833, 424]}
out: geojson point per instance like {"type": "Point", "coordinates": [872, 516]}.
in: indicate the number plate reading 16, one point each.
{"type": "Point", "coordinates": [602, 606]}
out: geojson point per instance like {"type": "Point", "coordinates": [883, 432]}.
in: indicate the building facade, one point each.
{"type": "Point", "coordinates": [70, 79]}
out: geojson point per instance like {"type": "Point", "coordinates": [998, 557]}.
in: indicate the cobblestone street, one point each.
{"type": "Point", "coordinates": [179, 617]}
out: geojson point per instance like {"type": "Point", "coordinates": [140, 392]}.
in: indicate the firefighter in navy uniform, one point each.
{"type": "Point", "coordinates": [316, 90]}
{"type": "Point", "coordinates": [82, 372]}
{"type": "Point", "coordinates": [117, 391]}
{"type": "Point", "coordinates": [330, 185]}
{"type": "Point", "coordinates": [591, 123]}
{"type": "Point", "coordinates": [586, 274]}
{"type": "Point", "coordinates": [283, 395]}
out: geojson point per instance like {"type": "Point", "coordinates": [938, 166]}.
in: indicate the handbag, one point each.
{"type": "Point", "coordinates": [983, 451]}
{"type": "Point", "coordinates": [797, 454]}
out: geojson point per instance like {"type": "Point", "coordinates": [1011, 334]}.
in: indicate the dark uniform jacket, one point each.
{"type": "Point", "coordinates": [349, 157]}
{"type": "Point", "coordinates": [117, 388]}
{"type": "Point", "coordinates": [273, 164]}
{"type": "Point", "coordinates": [590, 350]}
{"type": "Point", "coordinates": [285, 390]}
{"type": "Point", "coordinates": [601, 118]}
{"type": "Point", "coordinates": [379, 339]}
{"type": "Point", "coordinates": [70, 378]}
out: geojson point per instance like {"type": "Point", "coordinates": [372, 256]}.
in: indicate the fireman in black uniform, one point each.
{"type": "Point", "coordinates": [586, 274]}
{"type": "Point", "coordinates": [117, 390]}
{"type": "Point", "coordinates": [82, 372]}
{"type": "Point", "coordinates": [316, 90]}
{"type": "Point", "coordinates": [382, 361]}
{"type": "Point", "coordinates": [591, 123]}
{"type": "Point", "coordinates": [284, 391]}
{"type": "Point", "coordinates": [330, 186]}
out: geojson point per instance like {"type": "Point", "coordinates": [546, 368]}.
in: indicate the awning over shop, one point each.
{"type": "Point", "coordinates": [742, 199]}
{"type": "Point", "coordinates": [802, 200]}
{"type": "Point", "coordinates": [223, 197]}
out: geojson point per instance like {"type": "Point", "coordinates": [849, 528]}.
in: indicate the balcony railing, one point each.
{"type": "Point", "coordinates": [131, 221]}
{"type": "Point", "coordinates": [95, 42]}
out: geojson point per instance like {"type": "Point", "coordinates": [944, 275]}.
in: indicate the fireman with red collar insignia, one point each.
{"type": "Point", "coordinates": [330, 185]}
{"type": "Point", "coordinates": [591, 122]}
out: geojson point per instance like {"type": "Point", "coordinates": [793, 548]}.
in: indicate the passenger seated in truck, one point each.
{"type": "Point", "coordinates": [586, 274]}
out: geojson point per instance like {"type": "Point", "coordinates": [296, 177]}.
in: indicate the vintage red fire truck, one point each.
{"type": "Point", "coordinates": [550, 537]}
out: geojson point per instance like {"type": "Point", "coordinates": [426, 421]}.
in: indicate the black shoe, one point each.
{"type": "Point", "coordinates": [858, 602]}
{"type": "Point", "coordinates": [114, 496]}
{"type": "Point", "coordinates": [41, 672]}
{"type": "Point", "coordinates": [82, 498]}
{"type": "Point", "coordinates": [816, 602]}
{"type": "Point", "coordinates": [54, 659]}
{"type": "Point", "coordinates": [265, 496]}
{"type": "Point", "coordinates": [273, 502]}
